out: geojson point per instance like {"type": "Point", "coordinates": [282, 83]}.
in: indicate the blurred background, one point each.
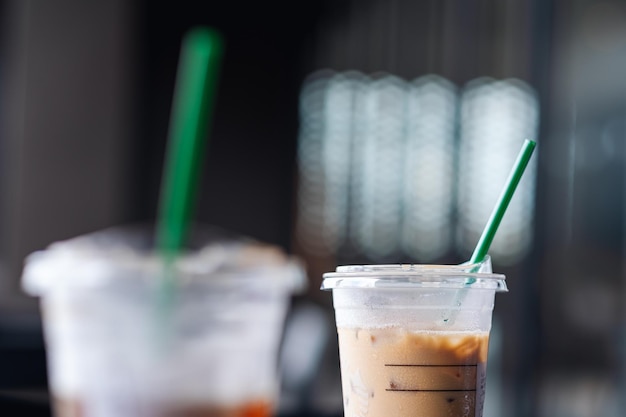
{"type": "Point", "coordinates": [346, 131]}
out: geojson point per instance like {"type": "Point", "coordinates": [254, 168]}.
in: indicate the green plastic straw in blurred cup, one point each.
{"type": "Point", "coordinates": [192, 109]}
{"type": "Point", "coordinates": [190, 119]}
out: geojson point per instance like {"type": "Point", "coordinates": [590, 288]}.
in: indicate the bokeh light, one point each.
{"type": "Point", "coordinates": [391, 169]}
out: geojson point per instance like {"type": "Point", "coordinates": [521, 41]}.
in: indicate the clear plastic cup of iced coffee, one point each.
{"type": "Point", "coordinates": [118, 346]}
{"type": "Point", "coordinates": [413, 339]}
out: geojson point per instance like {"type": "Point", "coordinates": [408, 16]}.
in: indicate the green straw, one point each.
{"type": "Point", "coordinates": [482, 248]}
{"type": "Point", "coordinates": [192, 108]}
{"type": "Point", "coordinates": [503, 202]}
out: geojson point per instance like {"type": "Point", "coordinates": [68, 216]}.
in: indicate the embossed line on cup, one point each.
{"type": "Point", "coordinates": [431, 378]}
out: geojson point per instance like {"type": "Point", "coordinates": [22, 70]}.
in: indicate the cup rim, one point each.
{"type": "Point", "coordinates": [107, 258]}
{"type": "Point", "coordinates": [413, 276]}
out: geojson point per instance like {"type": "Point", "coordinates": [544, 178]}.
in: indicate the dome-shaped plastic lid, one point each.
{"type": "Point", "coordinates": [125, 256]}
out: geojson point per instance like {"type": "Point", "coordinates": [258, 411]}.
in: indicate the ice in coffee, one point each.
{"type": "Point", "coordinates": [413, 340]}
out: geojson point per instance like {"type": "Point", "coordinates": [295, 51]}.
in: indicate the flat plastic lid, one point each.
{"type": "Point", "coordinates": [478, 276]}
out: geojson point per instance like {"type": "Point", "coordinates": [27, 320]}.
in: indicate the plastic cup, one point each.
{"type": "Point", "coordinates": [408, 346]}
{"type": "Point", "coordinates": [114, 351]}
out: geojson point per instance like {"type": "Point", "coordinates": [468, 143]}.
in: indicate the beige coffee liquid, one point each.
{"type": "Point", "coordinates": [391, 372]}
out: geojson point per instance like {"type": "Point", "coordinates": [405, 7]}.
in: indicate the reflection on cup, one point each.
{"type": "Point", "coordinates": [114, 350]}
{"type": "Point", "coordinates": [401, 355]}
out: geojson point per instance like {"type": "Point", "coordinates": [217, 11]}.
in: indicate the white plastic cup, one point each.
{"type": "Point", "coordinates": [413, 339]}
{"type": "Point", "coordinates": [116, 349]}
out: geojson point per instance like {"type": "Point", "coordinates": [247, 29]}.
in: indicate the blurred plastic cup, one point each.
{"type": "Point", "coordinates": [113, 353]}
{"type": "Point", "coordinates": [408, 347]}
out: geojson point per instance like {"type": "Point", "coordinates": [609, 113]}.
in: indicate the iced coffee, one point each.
{"type": "Point", "coordinates": [394, 372]}
{"type": "Point", "coordinates": [413, 339]}
{"type": "Point", "coordinates": [118, 346]}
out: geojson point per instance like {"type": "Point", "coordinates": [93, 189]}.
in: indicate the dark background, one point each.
{"type": "Point", "coordinates": [86, 87]}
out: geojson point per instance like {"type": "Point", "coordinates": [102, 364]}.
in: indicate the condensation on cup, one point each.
{"type": "Point", "coordinates": [119, 345]}
{"type": "Point", "coordinates": [413, 339]}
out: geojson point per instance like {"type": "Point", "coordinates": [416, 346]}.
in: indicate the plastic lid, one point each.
{"type": "Point", "coordinates": [477, 276]}
{"type": "Point", "coordinates": [124, 256]}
